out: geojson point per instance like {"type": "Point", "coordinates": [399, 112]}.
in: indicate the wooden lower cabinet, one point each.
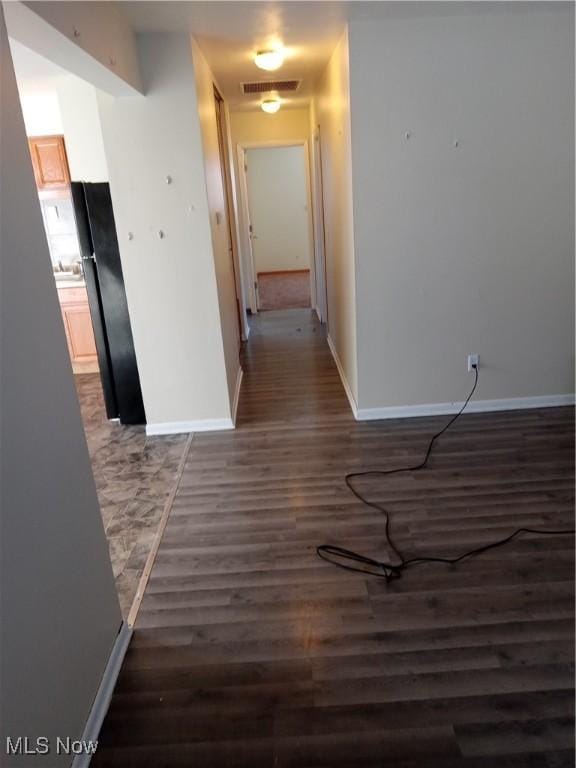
{"type": "Point", "coordinates": [78, 327]}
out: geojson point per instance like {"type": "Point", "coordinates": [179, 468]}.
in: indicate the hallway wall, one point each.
{"type": "Point", "coordinates": [331, 111]}
{"type": "Point", "coordinates": [285, 125]}
{"type": "Point", "coordinates": [468, 247]}
{"type": "Point", "coordinates": [60, 613]}
{"type": "Point", "coordinates": [170, 281]}
{"type": "Point", "coordinates": [225, 277]}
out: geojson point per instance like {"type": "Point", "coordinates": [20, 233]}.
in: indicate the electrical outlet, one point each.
{"type": "Point", "coordinates": [473, 362]}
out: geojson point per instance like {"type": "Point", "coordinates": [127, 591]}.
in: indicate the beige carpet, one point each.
{"type": "Point", "coordinates": [284, 290]}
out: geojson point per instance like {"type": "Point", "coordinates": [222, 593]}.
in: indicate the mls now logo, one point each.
{"type": "Point", "coordinates": [70, 746]}
{"type": "Point", "coordinates": [23, 745]}
{"type": "Point", "coordinates": [26, 746]}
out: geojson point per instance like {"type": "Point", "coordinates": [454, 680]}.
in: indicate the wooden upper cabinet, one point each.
{"type": "Point", "coordinates": [49, 161]}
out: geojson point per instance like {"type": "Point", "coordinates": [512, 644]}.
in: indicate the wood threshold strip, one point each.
{"type": "Point", "coordinates": [285, 272]}
{"type": "Point", "coordinates": [133, 614]}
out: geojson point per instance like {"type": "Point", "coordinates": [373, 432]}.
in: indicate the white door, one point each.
{"type": "Point", "coordinates": [278, 207]}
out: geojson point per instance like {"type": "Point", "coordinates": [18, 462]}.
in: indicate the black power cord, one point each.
{"type": "Point", "coordinates": [371, 567]}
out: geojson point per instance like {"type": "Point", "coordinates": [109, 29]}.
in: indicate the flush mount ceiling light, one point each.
{"type": "Point", "coordinates": [270, 105]}
{"type": "Point", "coordinates": [269, 60]}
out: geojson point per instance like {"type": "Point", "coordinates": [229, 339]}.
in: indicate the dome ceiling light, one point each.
{"type": "Point", "coordinates": [269, 60]}
{"type": "Point", "coordinates": [271, 106]}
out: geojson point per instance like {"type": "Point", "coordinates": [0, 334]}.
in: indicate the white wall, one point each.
{"type": "Point", "coordinates": [67, 105]}
{"type": "Point", "coordinates": [225, 277]}
{"type": "Point", "coordinates": [331, 111]}
{"type": "Point", "coordinates": [285, 125]}
{"type": "Point", "coordinates": [82, 130]}
{"type": "Point", "coordinates": [469, 248]}
{"type": "Point", "coordinates": [278, 201]}
{"type": "Point", "coordinates": [170, 282]}
{"type": "Point", "coordinates": [60, 613]}
{"type": "Point", "coordinates": [41, 112]}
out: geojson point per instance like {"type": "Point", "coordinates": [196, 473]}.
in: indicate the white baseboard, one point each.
{"type": "Point", "coordinates": [343, 378]}
{"type": "Point", "coordinates": [104, 695]}
{"type": "Point", "coordinates": [178, 427]}
{"type": "Point", "coordinates": [474, 406]}
{"type": "Point", "coordinates": [199, 425]}
{"type": "Point", "coordinates": [237, 394]}
{"type": "Point", "coordinates": [440, 409]}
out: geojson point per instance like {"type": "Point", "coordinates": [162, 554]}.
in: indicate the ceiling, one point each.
{"type": "Point", "coordinates": [230, 34]}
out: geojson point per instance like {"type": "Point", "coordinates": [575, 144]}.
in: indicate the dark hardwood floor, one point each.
{"type": "Point", "coordinates": [250, 651]}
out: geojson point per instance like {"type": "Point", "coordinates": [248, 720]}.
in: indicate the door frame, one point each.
{"type": "Point", "coordinates": [319, 229]}
{"type": "Point", "coordinates": [247, 263]}
{"type": "Point", "coordinates": [225, 156]}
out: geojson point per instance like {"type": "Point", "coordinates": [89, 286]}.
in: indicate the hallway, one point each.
{"type": "Point", "coordinates": [250, 651]}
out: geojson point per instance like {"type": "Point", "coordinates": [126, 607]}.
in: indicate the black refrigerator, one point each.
{"type": "Point", "coordinates": [107, 301]}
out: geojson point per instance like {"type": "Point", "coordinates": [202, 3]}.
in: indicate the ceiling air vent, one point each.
{"type": "Point", "coordinates": [263, 86]}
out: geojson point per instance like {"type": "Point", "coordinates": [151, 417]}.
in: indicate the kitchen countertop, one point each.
{"type": "Point", "coordinates": [70, 283]}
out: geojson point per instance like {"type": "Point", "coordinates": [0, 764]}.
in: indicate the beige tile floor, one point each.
{"type": "Point", "coordinates": [134, 476]}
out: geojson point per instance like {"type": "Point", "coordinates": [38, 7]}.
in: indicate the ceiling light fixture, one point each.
{"type": "Point", "coordinates": [270, 105]}
{"type": "Point", "coordinates": [269, 60]}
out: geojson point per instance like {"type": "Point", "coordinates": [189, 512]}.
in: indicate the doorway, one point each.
{"type": "Point", "coordinates": [134, 474]}
{"type": "Point", "coordinates": [52, 177]}
{"type": "Point", "coordinates": [276, 189]}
